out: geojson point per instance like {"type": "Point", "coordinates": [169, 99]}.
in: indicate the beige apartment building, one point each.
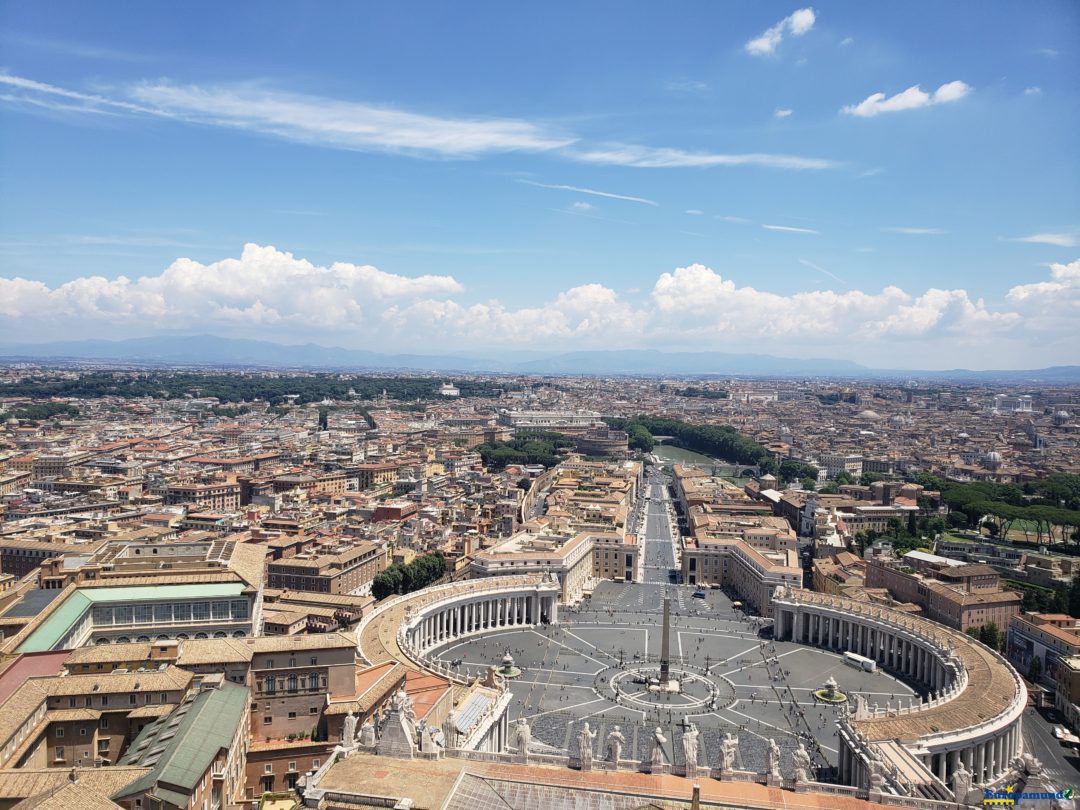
{"type": "Point", "coordinates": [218, 496]}
{"type": "Point", "coordinates": [615, 557]}
{"type": "Point", "coordinates": [956, 594]}
{"type": "Point", "coordinates": [83, 720]}
{"type": "Point", "coordinates": [750, 572]}
{"type": "Point", "coordinates": [346, 568]}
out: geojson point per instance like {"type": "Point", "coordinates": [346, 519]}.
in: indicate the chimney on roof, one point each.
{"type": "Point", "coordinates": [695, 797]}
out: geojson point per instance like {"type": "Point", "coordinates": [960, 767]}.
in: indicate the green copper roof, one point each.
{"type": "Point", "coordinates": [180, 746]}
{"type": "Point", "coordinates": [52, 631]}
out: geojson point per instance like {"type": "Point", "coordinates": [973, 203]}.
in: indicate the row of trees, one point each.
{"type": "Point", "coordinates": [525, 448]}
{"type": "Point", "coordinates": [419, 573]}
{"type": "Point", "coordinates": [35, 413]}
{"type": "Point", "coordinates": [693, 392]}
{"type": "Point", "coordinates": [990, 635]}
{"type": "Point", "coordinates": [240, 388]}
{"type": "Point", "coordinates": [719, 441]}
{"type": "Point", "coordinates": [1046, 510]}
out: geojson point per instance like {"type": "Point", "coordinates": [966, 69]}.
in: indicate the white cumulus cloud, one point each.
{"type": "Point", "coordinates": [782, 112]}
{"type": "Point", "coordinates": [797, 23]}
{"type": "Point", "coordinates": [263, 286]}
{"type": "Point", "coordinates": [270, 294]}
{"type": "Point", "coordinates": [910, 99]}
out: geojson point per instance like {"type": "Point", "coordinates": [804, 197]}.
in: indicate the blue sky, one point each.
{"type": "Point", "coordinates": [891, 183]}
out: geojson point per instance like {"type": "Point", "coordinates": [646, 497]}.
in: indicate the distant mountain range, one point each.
{"type": "Point", "coordinates": [208, 350]}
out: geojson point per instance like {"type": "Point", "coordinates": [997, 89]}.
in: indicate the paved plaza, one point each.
{"type": "Point", "coordinates": [760, 689]}
{"type": "Point", "coordinates": [593, 666]}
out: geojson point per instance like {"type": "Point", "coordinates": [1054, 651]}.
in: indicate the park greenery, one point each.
{"type": "Point", "coordinates": [525, 448]}
{"type": "Point", "coordinates": [405, 578]}
{"type": "Point", "coordinates": [40, 412]}
{"type": "Point", "coordinates": [1046, 510]}
{"type": "Point", "coordinates": [241, 387]}
{"type": "Point", "coordinates": [692, 392]}
{"type": "Point", "coordinates": [719, 441]}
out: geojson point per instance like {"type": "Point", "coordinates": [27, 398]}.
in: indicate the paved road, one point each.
{"type": "Point", "coordinates": [1060, 763]}
{"type": "Point", "coordinates": [659, 545]}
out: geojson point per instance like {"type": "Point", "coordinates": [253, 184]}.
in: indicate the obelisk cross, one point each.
{"type": "Point", "coordinates": [664, 662]}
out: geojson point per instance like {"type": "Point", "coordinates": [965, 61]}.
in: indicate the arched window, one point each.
{"type": "Point", "coordinates": [292, 683]}
{"type": "Point", "coordinates": [268, 684]}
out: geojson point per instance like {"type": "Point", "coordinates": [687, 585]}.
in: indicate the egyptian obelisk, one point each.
{"type": "Point", "coordinates": [664, 662]}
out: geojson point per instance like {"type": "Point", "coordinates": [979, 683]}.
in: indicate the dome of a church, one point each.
{"type": "Point", "coordinates": [993, 460]}
{"type": "Point", "coordinates": [869, 414]}
{"type": "Point", "coordinates": [1062, 417]}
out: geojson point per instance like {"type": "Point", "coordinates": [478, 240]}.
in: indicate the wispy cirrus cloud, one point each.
{"type": "Point", "coordinates": [360, 126]}
{"type": "Point", "coordinates": [37, 93]}
{"type": "Point", "coordinates": [788, 229]}
{"type": "Point", "coordinates": [307, 119]}
{"type": "Point", "coordinates": [797, 23]}
{"type": "Point", "coordinates": [1056, 239]}
{"type": "Point", "coordinates": [822, 270]}
{"type": "Point", "coordinates": [917, 231]}
{"type": "Point", "coordinates": [911, 99]}
{"type": "Point", "coordinates": [346, 124]}
{"type": "Point", "coordinates": [647, 157]}
{"type": "Point", "coordinates": [77, 49]}
{"type": "Point", "coordinates": [594, 192]}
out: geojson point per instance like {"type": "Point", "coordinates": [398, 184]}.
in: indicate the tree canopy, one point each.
{"type": "Point", "coordinates": [719, 441]}
{"type": "Point", "coordinates": [240, 387]}
{"type": "Point", "coordinates": [400, 579]}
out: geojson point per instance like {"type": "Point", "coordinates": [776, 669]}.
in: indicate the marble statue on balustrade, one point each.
{"type": "Point", "coordinates": [348, 730]}
{"type": "Point", "coordinates": [877, 776]}
{"type": "Point", "coordinates": [772, 759]}
{"type": "Point", "coordinates": [658, 757]}
{"type": "Point", "coordinates": [585, 742]}
{"type": "Point", "coordinates": [690, 747]}
{"type": "Point", "coordinates": [408, 710]}
{"type": "Point", "coordinates": [522, 736]}
{"type": "Point", "coordinates": [431, 738]}
{"type": "Point", "coordinates": [803, 766]}
{"type": "Point", "coordinates": [614, 745]}
{"type": "Point", "coordinates": [367, 734]}
{"type": "Point", "coordinates": [450, 731]}
{"type": "Point", "coordinates": [961, 783]}
{"type": "Point", "coordinates": [728, 748]}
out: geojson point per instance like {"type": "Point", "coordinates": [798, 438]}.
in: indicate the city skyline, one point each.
{"type": "Point", "coordinates": [869, 184]}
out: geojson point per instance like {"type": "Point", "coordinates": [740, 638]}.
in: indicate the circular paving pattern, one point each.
{"type": "Point", "coordinates": [685, 691]}
{"type": "Point", "coordinates": [730, 679]}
